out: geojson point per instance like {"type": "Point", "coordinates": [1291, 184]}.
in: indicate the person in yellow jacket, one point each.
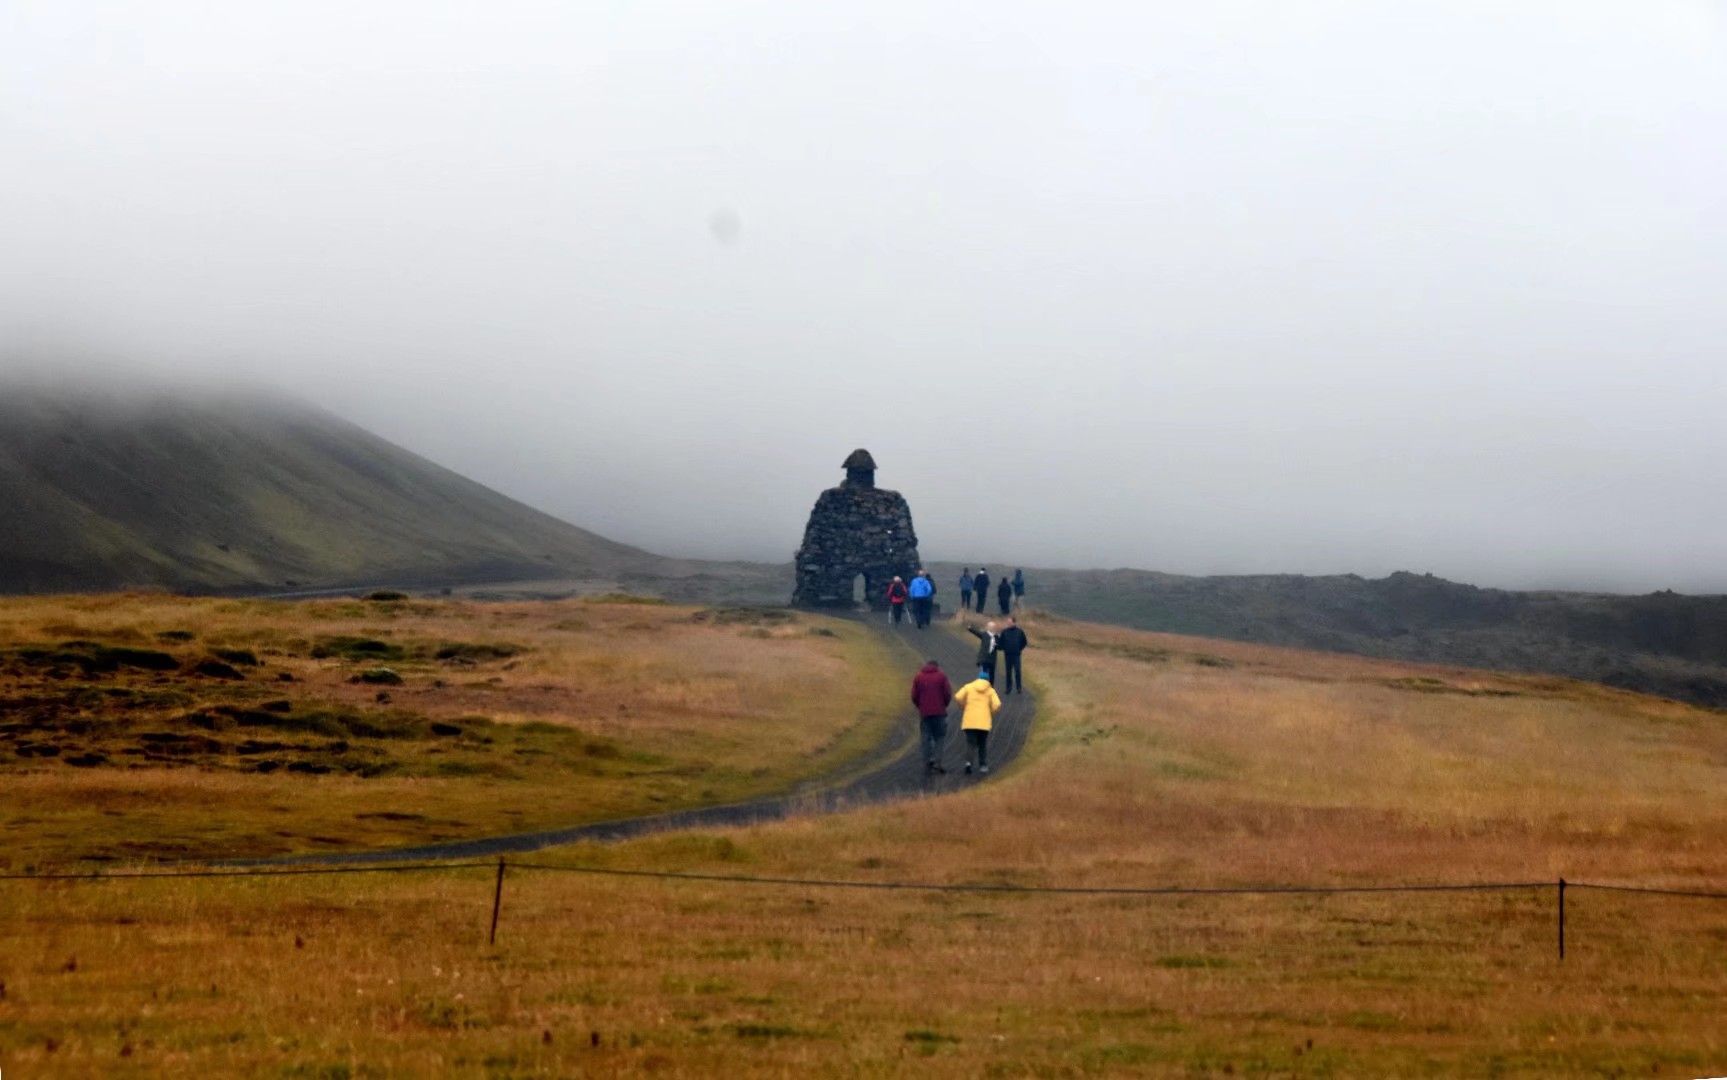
{"type": "Point", "coordinates": [980, 702]}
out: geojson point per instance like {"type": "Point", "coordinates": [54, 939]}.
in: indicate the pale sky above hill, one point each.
{"type": "Point", "coordinates": [1207, 288]}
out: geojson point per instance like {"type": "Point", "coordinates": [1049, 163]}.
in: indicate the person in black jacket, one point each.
{"type": "Point", "coordinates": [980, 585]}
{"type": "Point", "coordinates": [988, 644]}
{"type": "Point", "coordinates": [1004, 596]}
{"type": "Point", "coordinates": [1010, 643]}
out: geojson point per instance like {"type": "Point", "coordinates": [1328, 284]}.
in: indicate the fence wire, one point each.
{"type": "Point", "coordinates": [283, 871]}
{"type": "Point", "coordinates": [1058, 890]}
{"type": "Point", "coordinates": [853, 883]}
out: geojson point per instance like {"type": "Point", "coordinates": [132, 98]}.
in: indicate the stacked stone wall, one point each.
{"type": "Point", "coordinates": [855, 530]}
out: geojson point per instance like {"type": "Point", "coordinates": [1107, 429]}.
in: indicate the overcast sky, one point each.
{"type": "Point", "coordinates": [1207, 288]}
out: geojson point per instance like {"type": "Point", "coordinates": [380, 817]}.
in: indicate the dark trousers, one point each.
{"type": "Point", "coordinates": [898, 612]}
{"type": "Point", "coordinates": [965, 600]}
{"type": "Point", "coordinates": [934, 737]}
{"type": "Point", "coordinates": [1015, 680]}
{"type": "Point", "coordinates": [989, 666]}
{"type": "Point", "coordinates": [982, 599]}
{"type": "Point", "coordinates": [920, 606]}
{"type": "Point", "coordinates": [1005, 602]}
{"type": "Point", "coordinates": [977, 744]}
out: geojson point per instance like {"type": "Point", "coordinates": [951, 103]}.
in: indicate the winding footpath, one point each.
{"type": "Point", "coordinates": [894, 770]}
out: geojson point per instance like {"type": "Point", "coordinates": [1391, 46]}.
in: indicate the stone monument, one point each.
{"type": "Point", "coordinates": [856, 529]}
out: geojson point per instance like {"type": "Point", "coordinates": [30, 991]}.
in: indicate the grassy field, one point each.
{"type": "Point", "coordinates": [157, 727]}
{"type": "Point", "coordinates": [1158, 760]}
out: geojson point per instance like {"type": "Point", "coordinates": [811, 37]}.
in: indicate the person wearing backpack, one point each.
{"type": "Point", "coordinates": [1018, 589]}
{"type": "Point", "coordinates": [922, 593]}
{"type": "Point", "coordinates": [981, 703]}
{"type": "Point", "coordinates": [896, 597]}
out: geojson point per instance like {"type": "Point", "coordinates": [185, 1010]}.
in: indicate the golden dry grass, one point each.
{"type": "Point", "coordinates": [605, 710]}
{"type": "Point", "coordinates": [1158, 760]}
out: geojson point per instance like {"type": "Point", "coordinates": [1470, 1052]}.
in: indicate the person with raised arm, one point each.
{"type": "Point", "coordinates": [988, 646]}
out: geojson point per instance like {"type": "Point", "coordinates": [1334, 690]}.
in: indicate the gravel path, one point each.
{"type": "Point", "coordinates": [894, 770]}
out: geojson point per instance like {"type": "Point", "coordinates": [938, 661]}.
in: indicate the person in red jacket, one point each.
{"type": "Point", "coordinates": [896, 595]}
{"type": "Point", "coordinates": [931, 693]}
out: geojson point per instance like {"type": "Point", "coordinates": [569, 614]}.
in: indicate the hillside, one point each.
{"type": "Point", "coordinates": [246, 491]}
{"type": "Point", "coordinates": [1663, 643]}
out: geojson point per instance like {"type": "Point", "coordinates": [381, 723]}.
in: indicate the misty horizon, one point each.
{"type": "Point", "coordinates": [120, 389]}
{"type": "Point", "coordinates": [1222, 291]}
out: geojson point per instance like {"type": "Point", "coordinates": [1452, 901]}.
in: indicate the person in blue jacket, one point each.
{"type": "Point", "coordinates": [965, 589]}
{"type": "Point", "coordinates": [922, 591]}
{"type": "Point", "coordinates": [1018, 589]}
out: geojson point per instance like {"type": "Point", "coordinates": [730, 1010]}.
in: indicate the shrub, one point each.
{"type": "Point", "coordinates": [212, 668]}
{"type": "Point", "coordinates": [93, 658]}
{"type": "Point", "coordinates": [355, 648]}
{"type": "Point", "coordinates": [147, 659]}
{"type": "Point", "coordinates": [744, 616]}
{"type": "Point", "coordinates": [384, 724]}
{"type": "Point", "coordinates": [478, 651]}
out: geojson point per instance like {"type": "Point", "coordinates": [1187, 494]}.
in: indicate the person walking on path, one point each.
{"type": "Point", "coordinates": [980, 586]}
{"type": "Point", "coordinates": [922, 593]}
{"type": "Point", "coordinates": [1018, 589]}
{"type": "Point", "coordinates": [980, 702]}
{"type": "Point", "coordinates": [931, 693]}
{"type": "Point", "coordinates": [965, 589]}
{"type": "Point", "coordinates": [988, 644]}
{"type": "Point", "coordinates": [896, 595]}
{"type": "Point", "coordinates": [1004, 596]}
{"type": "Point", "coordinates": [1010, 643]}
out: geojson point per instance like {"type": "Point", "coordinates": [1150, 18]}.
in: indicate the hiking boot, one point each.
{"type": "Point", "coordinates": [940, 768]}
{"type": "Point", "coordinates": [983, 769]}
{"type": "Point", "coordinates": [968, 768]}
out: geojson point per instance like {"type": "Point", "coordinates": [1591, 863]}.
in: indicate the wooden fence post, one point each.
{"type": "Point", "coordinates": [498, 900]}
{"type": "Point", "coordinates": [1562, 918]}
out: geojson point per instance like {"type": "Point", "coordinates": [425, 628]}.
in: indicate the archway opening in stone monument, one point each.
{"type": "Point", "coordinates": [860, 593]}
